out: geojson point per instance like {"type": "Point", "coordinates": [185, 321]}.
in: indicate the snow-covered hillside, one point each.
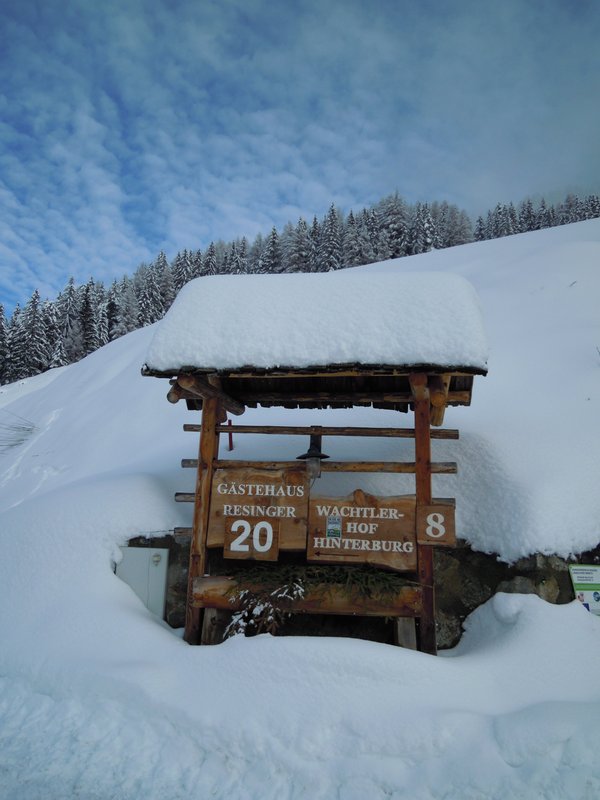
{"type": "Point", "coordinates": [98, 699]}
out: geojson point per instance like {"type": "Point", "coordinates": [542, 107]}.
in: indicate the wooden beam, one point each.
{"type": "Point", "coordinates": [217, 592]}
{"type": "Point", "coordinates": [182, 535]}
{"type": "Point", "coordinates": [294, 430]}
{"type": "Point", "coordinates": [199, 387]}
{"type": "Point", "coordinates": [208, 452]}
{"type": "Point", "coordinates": [438, 408]}
{"type": "Point", "coordinates": [405, 634]}
{"type": "Point", "coordinates": [438, 390]}
{"type": "Point", "coordinates": [186, 497]}
{"type": "Point", "coordinates": [355, 398]}
{"type": "Point", "coordinates": [406, 467]}
{"type": "Point", "coordinates": [176, 393]}
{"type": "Point", "coordinates": [419, 386]}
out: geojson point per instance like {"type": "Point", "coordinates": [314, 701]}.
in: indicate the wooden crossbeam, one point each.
{"type": "Point", "coordinates": [408, 467]}
{"type": "Point", "coordinates": [216, 592]}
{"type": "Point", "coordinates": [393, 398]}
{"type": "Point", "coordinates": [294, 430]}
{"type": "Point", "coordinates": [199, 387]}
{"type": "Point", "coordinates": [438, 396]}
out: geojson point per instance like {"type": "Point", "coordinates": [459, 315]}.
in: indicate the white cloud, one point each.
{"type": "Point", "coordinates": [129, 129]}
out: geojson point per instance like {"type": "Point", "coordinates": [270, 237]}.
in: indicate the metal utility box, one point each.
{"type": "Point", "coordinates": [145, 570]}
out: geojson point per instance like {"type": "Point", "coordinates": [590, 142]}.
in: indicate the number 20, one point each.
{"type": "Point", "coordinates": [239, 544]}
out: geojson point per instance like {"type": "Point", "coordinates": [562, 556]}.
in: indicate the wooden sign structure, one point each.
{"type": "Point", "coordinates": [259, 510]}
{"type": "Point", "coordinates": [363, 529]}
{"type": "Point", "coordinates": [252, 511]}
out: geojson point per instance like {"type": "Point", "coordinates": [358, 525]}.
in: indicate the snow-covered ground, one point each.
{"type": "Point", "coordinates": [99, 699]}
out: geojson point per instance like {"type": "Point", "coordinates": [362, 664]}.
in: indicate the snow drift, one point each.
{"type": "Point", "coordinates": [99, 699]}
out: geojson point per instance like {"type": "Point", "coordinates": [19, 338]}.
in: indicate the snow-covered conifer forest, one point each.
{"type": "Point", "coordinates": [49, 333]}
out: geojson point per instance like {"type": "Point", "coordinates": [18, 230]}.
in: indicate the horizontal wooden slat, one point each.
{"type": "Point", "coordinates": [215, 592]}
{"type": "Point", "coordinates": [231, 464]}
{"type": "Point", "coordinates": [463, 398]}
{"type": "Point", "coordinates": [395, 398]}
{"type": "Point", "coordinates": [437, 467]}
{"type": "Point", "coordinates": [287, 430]}
{"type": "Point", "coordinates": [184, 497]}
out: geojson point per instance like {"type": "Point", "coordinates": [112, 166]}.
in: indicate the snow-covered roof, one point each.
{"type": "Point", "coordinates": [305, 320]}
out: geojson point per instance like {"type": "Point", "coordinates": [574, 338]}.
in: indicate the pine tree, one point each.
{"type": "Point", "coordinates": [127, 312]}
{"type": "Point", "coordinates": [570, 210]}
{"type": "Point", "coordinates": [526, 216]}
{"type": "Point", "coordinates": [150, 299]}
{"type": "Point", "coordinates": [89, 318]}
{"type": "Point", "coordinates": [271, 256]}
{"type": "Point", "coordinates": [58, 357]}
{"type": "Point", "coordinates": [196, 264]}
{"type": "Point", "coordinates": [165, 279]}
{"type": "Point", "coordinates": [243, 255]}
{"type": "Point", "coordinates": [51, 331]}
{"type": "Point", "coordinates": [31, 345]}
{"type": "Point", "coordinates": [14, 369]}
{"type": "Point", "coordinates": [3, 345]}
{"type": "Point", "coordinates": [237, 258]}
{"type": "Point", "coordinates": [102, 323]}
{"type": "Point", "coordinates": [352, 248]}
{"type": "Point", "coordinates": [315, 246]}
{"type": "Point", "coordinates": [181, 271]}
{"type": "Point", "coordinates": [286, 244]}
{"type": "Point", "coordinates": [255, 255]}
{"type": "Point", "coordinates": [393, 228]}
{"type": "Point", "coordinates": [421, 236]}
{"type": "Point", "coordinates": [480, 232]}
{"type": "Point", "coordinates": [331, 241]}
{"type": "Point", "coordinates": [367, 237]}
{"type": "Point", "coordinates": [69, 324]}
{"type": "Point", "coordinates": [209, 266]}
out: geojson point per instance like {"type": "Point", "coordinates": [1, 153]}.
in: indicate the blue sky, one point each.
{"type": "Point", "coordinates": [131, 126]}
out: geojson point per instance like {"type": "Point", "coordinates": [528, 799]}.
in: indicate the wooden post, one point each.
{"type": "Point", "coordinates": [420, 392]}
{"type": "Point", "coordinates": [208, 452]}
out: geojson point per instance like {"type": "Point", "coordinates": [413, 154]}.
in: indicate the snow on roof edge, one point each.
{"type": "Point", "coordinates": [302, 320]}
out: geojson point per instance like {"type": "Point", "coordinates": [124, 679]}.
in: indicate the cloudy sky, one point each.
{"type": "Point", "coordinates": [131, 126]}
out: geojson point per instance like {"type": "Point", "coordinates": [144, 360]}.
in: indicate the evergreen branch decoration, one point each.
{"type": "Point", "coordinates": [265, 609]}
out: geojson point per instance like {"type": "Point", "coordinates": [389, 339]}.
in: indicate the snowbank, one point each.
{"type": "Point", "coordinates": [99, 699]}
{"type": "Point", "coordinates": [302, 320]}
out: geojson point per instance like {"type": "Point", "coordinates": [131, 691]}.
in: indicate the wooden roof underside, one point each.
{"type": "Point", "coordinates": [342, 386]}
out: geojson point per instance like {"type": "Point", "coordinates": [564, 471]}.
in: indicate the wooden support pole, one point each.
{"type": "Point", "coordinates": [208, 452]}
{"type": "Point", "coordinates": [418, 383]}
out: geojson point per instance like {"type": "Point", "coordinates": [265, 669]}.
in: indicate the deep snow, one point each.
{"type": "Point", "coordinates": [99, 699]}
{"type": "Point", "coordinates": [302, 320]}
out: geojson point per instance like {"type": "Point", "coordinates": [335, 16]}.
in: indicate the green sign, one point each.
{"type": "Point", "coordinates": [586, 584]}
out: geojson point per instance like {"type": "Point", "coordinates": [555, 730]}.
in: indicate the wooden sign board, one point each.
{"type": "Point", "coordinates": [363, 529]}
{"type": "Point", "coordinates": [436, 524]}
{"type": "Point", "coordinates": [255, 513]}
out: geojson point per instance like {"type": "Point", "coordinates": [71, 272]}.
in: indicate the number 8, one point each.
{"type": "Point", "coordinates": [435, 521]}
